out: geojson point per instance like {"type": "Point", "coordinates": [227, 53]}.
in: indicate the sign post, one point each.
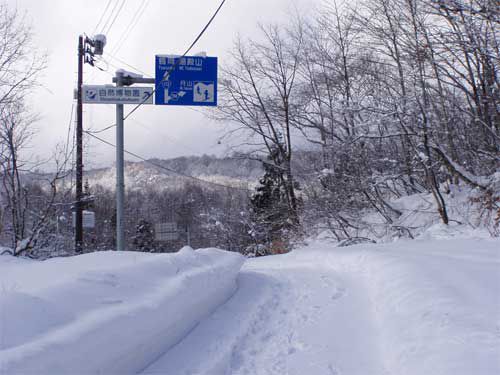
{"type": "Point", "coordinates": [181, 80]}
{"type": "Point", "coordinates": [120, 178]}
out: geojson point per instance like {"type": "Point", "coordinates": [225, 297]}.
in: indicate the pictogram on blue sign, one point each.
{"type": "Point", "coordinates": [188, 80]}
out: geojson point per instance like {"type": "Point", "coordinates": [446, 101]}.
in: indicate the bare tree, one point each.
{"type": "Point", "coordinates": [28, 196]}
{"type": "Point", "coordinates": [259, 93]}
{"type": "Point", "coordinates": [20, 63]}
{"type": "Point", "coordinates": [14, 136]}
{"type": "Point", "coordinates": [20, 67]}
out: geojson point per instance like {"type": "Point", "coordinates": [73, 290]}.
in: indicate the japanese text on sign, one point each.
{"type": "Point", "coordinates": [189, 80]}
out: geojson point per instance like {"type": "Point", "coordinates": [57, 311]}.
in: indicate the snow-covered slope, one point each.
{"type": "Point", "coordinates": [167, 174]}
{"type": "Point", "coordinates": [469, 215]}
{"type": "Point", "coordinates": [411, 307]}
{"type": "Point", "coordinates": [107, 312]}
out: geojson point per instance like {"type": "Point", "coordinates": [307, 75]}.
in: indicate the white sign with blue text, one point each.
{"type": "Point", "coordinates": [109, 94]}
{"type": "Point", "coordinates": [187, 80]}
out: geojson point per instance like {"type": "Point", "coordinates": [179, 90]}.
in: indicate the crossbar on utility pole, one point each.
{"type": "Point", "coordinates": [120, 179]}
{"type": "Point", "coordinates": [79, 153]}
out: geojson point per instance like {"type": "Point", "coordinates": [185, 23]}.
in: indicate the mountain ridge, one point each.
{"type": "Point", "coordinates": [161, 174]}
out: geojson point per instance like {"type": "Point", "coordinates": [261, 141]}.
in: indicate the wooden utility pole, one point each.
{"type": "Point", "coordinates": [79, 152]}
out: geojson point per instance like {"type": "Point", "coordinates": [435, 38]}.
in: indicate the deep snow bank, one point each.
{"type": "Point", "coordinates": [106, 313]}
{"type": "Point", "coordinates": [435, 303]}
{"type": "Point", "coordinates": [470, 213]}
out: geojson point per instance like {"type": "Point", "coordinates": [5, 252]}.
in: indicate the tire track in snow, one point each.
{"type": "Point", "coordinates": [211, 348]}
{"type": "Point", "coordinates": [316, 328]}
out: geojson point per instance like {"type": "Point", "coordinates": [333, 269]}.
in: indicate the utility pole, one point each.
{"type": "Point", "coordinates": [85, 54]}
{"type": "Point", "coordinates": [79, 152]}
{"type": "Point", "coordinates": [120, 179]}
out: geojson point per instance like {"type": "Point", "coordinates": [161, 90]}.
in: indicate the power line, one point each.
{"type": "Point", "coordinates": [140, 123]}
{"type": "Point", "coordinates": [109, 16]}
{"type": "Point", "coordinates": [104, 70]}
{"type": "Point", "coordinates": [70, 125]}
{"type": "Point", "coordinates": [167, 73]}
{"type": "Point", "coordinates": [102, 16]}
{"type": "Point", "coordinates": [127, 64]}
{"type": "Point", "coordinates": [101, 130]}
{"type": "Point", "coordinates": [170, 138]}
{"type": "Point", "coordinates": [133, 23]}
{"type": "Point", "coordinates": [116, 16]}
{"type": "Point", "coordinates": [166, 168]}
{"type": "Point", "coordinates": [108, 64]}
{"type": "Point", "coordinates": [67, 153]}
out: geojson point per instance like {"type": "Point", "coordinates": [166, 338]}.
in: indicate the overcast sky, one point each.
{"type": "Point", "coordinates": [165, 27]}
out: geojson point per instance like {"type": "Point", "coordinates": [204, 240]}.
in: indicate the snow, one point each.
{"type": "Point", "coordinates": [121, 310]}
{"type": "Point", "coordinates": [127, 73]}
{"type": "Point", "coordinates": [327, 171]}
{"type": "Point", "coordinates": [441, 231]}
{"type": "Point", "coordinates": [23, 244]}
{"type": "Point", "coordinates": [482, 181]}
{"type": "Point", "coordinates": [420, 218]}
{"type": "Point", "coordinates": [172, 56]}
{"type": "Point", "coordinates": [411, 307]}
{"type": "Point", "coordinates": [425, 306]}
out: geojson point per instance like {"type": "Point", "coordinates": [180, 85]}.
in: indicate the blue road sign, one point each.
{"type": "Point", "coordinates": [190, 80]}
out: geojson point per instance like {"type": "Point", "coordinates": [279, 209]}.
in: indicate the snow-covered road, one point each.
{"type": "Point", "coordinates": [407, 308]}
{"type": "Point", "coordinates": [279, 322]}
{"type": "Point", "coordinates": [419, 307]}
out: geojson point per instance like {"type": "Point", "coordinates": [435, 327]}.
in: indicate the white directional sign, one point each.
{"type": "Point", "coordinates": [88, 219]}
{"type": "Point", "coordinates": [108, 94]}
{"type": "Point", "coordinates": [166, 232]}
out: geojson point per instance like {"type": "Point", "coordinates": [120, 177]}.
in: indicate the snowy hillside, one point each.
{"type": "Point", "coordinates": [167, 174]}
{"type": "Point", "coordinates": [416, 216]}
{"type": "Point", "coordinates": [429, 306]}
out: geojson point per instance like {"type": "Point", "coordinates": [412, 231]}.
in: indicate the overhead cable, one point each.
{"type": "Point", "coordinates": [168, 169]}
{"type": "Point", "coordinates": [129, 65]}
{"type": "Point", "coordinates": [110, 16]}
{"type": "Point", "coordinates": [130, 27]}
{"type": "Point", "coordinates": [102, 16]}
{"type": "Point", "coordinates": [114, 19]}
{"type": "Point", "coordinates": [70, 125]}
{"type": "Point", "coordinates": [167, 73]}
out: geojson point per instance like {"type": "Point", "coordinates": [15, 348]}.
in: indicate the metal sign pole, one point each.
{"type": "Point", "coordinates": [120, 180]}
